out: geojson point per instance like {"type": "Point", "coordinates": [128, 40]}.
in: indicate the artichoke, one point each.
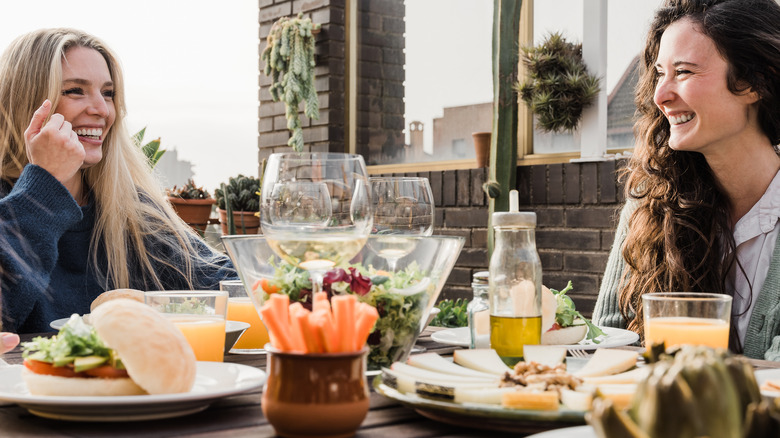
{"type": "Point", "coordinates": [691, 392]}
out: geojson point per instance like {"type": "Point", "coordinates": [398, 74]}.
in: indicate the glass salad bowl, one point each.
{"type": "Point", "coordinates": [403, 297]}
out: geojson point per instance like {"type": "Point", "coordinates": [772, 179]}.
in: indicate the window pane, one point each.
{"type": "Point", "coordinates": [628, 22]}
{"type": "Point", "coordinates": [427, 109]}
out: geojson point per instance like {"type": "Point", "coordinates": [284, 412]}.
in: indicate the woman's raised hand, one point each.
{"type": "Point", "coordinates": [53, 146]}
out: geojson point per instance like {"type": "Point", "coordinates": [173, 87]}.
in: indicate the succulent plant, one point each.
{"type": "Point", "coordinates": [188, 191]}
{"type": "Point", "coordinates": [557, 87]}
{"type": "Point", "coordinates": [242, 193]}
{"type": "Point", "coordinates": [691, 392]}
{"type": "Point", "coordinates": [289, 62]}
{"type": "Point", "coordinates": [151, 150]}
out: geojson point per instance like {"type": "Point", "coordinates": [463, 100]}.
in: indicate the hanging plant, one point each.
{"type": "Point", "coordinates": [289, 62]}
{"type": "Point", "coordinates": [557, 87]}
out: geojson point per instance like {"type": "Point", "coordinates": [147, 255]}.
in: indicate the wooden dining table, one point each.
{"type": "Point", "coordinates": [241, 415]}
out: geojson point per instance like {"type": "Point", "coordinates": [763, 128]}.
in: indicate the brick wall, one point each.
{"type": "Point", "coordinates": [380, 88]}
{"type": "Point", "coordinates": [327, 132]}
{"type": "Point", "coordinates": [576, 204]}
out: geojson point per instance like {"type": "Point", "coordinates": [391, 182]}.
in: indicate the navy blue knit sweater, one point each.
{"type": "Point", "coordinates": [47, 272]}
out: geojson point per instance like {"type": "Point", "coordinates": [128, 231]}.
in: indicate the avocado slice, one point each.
{"type": "Point", "coordinates": [62, 361]}
{"type": "Point", "coordinates": [88, 362]}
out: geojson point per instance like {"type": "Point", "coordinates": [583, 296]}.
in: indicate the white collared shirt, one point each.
{"type": "Point", "coordinates": [755, 235]}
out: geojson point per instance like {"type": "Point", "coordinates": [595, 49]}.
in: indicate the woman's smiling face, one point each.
{"type": "Point", "coordinates": [693, 95]}
{"type": "Point", "coordinates": [87, 100]}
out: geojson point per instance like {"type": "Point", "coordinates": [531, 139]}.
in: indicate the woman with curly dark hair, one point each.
{"type": "Point", "coordinates": [703, 187]}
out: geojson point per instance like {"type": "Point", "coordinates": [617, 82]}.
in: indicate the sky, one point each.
{"type": "Point", "coordinates": [191, 68]}
{"type": "Point", "coordinates": [190, 71]}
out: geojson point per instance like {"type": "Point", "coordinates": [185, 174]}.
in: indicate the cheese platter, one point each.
{"type": "Point", "coordinates": [473, 388]}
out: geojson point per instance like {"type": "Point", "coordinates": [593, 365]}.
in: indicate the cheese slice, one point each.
{"type": "Point", "coordinates": [434, 362]}
{"type": "Point", "coordinates": [576, 400]}
{"type": "Point", "coordinates": [607, 361]}
{"type": "Point", "coordinates": [635, 375]}
{"type": "Point", "coordinates": [481, 359]}
{"type": "Point", "coordinates": [431, 387]}
{"type": "Point", "coordinates": [621, 395]}
{"type": "Point", "coordinates": [487, 396]}
{"type": "Point", "coordinates": [423, 374]}
{"type": "Point", "coordinates": [544, 354]}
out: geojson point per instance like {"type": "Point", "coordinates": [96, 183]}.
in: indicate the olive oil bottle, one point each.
{"type": "Point", "coordinates": [515, 283]}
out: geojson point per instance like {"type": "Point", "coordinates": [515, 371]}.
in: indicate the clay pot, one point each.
{"type": "Point", "coordinates": [482, 148]}
{"type": "Point", "coordinates": [315, 395]}
{"type": "Point", "coordinates": [195, 212]}
{"type": "Point", "coordinates": [246, 222]}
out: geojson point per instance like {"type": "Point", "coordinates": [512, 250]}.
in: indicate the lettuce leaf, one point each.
{"type": "Point", "coordinates": [566, 314]}
{"type": "Point", "coordinates": [75, 339]}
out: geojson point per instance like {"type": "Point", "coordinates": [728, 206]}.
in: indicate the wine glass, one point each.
{"type": "Point", "coordinates": [403, 207]}
{"type": "Point", "coordinates": [315, 209]}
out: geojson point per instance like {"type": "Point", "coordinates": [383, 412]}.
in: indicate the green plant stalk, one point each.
{"type": "Point", "coordinates": [231, 226]}
{"type": "Point", "coordinates": [503, 142]}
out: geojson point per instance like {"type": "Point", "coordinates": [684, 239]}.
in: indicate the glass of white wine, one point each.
{"type": "Point", "coordinates": [315, 209]}
{"type": "Point", "coordinates": [403, 207]}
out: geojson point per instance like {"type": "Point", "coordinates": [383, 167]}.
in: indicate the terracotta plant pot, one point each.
{"type": "Point", "coordinates": [482, 148]}
{"type": "Point", "coordinates": [246, 222]}
{"type": "Point", "coordinates": [315, 395]}
{"type": "Point", "coordinates": [195, 212]}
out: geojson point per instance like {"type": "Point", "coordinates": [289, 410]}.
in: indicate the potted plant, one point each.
{"type": "Point", "coordinates": [192, 204]}
{"type": "Point", "coordinates": [151, 150]}
{"type": "Point", "coordinates": [289, 62]}
{"type": "Point", "coordinates": [558, 86]}
{"type": "Point", "coordinates": [238, 205]}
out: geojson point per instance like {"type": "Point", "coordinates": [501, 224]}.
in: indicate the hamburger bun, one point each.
{"type": "Point", "coordinates": [156, 355]}
{"type": "Point", "coordinates": [42, 384]}
{"type": "Point", "coordinates": [132, 294]}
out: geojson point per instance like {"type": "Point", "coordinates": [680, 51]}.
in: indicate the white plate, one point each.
{"type": "Point", "coordinates": [567, 432]}
{"type": "Point", "coordinates": [764, 375]}
{"type": "Point", "coordinates": [213, 381]}
{"type": "Point", "coordinates": [614, 337]}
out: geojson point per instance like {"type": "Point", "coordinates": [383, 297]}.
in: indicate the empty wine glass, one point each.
{"type": "Point", "coordinates": [316, 209]}
{"type": "Point", "coordinates": [403, 207]}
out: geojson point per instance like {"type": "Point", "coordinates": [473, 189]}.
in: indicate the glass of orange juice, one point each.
{"type": "Point", "coordinates": [695, 318]}
{"type": "Point", "coordinates": [200, 315]}
{"type": "Point", "coordinates": [241, 308]}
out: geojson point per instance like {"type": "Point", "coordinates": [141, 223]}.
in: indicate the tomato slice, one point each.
{"type": "Point", "coordinates": [103, 371]}
{"type": "Point", "coordinates": [48, 369]}
{"type": "Point", "coordinates": [106, 372]}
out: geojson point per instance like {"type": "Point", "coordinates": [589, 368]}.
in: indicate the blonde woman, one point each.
{"type": "Point", "coordinates": [78, 201]}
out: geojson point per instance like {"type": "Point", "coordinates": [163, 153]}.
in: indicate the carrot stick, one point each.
{"type": "Point", "coordinates": [280, 337]}
{"type": "Point", "coordinates": [301, 319]}
{"type": "Point", "coordinates": [326, 331]}
{"type": "Point", "coordinates": [316, 333]}
{"type": "Point", "coordinates": [320, 301]}
{"type": "Point", "coordinates": [344, 318]}
{"type": "Point", "coordinates": [296, 334]}
{"type": "Point", "coordinates": [281, 304]}
{"type": "Point", "coordinates": [366, 316]}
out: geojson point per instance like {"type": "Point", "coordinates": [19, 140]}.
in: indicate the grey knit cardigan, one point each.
{"type": "Point", "coordinates": [762, 339]}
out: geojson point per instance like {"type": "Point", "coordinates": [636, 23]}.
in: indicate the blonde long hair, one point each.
{"type": "Point", "coordinates": [131, 210]}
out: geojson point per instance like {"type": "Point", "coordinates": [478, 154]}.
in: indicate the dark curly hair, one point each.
{"type": "Point", "coordinates": [681, 227]}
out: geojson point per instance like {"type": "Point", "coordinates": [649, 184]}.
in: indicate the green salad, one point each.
{"type": "Point", "coordinates": [400, 298]}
